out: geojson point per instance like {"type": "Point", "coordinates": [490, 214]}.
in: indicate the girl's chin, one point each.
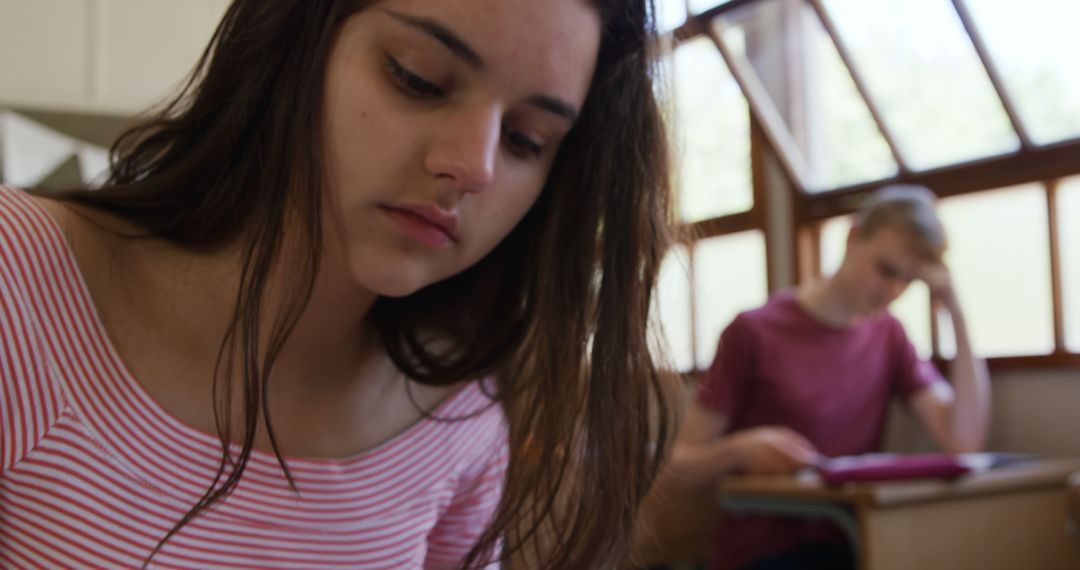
{"type": "Point", "coordinates": [395, 282]}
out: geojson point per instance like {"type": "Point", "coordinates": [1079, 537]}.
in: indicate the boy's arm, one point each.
{"type": "Point", "coordinates": [957, 417]}
{"type": "Point", "coordinates": [703, 453]}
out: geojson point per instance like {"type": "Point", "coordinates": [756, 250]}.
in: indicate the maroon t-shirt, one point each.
{"type": "Point", "coordinates": [779, 366]}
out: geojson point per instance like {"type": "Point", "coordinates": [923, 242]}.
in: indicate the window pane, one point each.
{"type": "Point", "coordinates": [1069, 226]}
{"type": "Point", "coordinates": [912, 308]}
{"type": "Point", "coordinates": [843, 141]}
{"type": "Point", "coordinates": [1035, 46]}
{"type": "Point", "coordinates": [999, 256]}
{"type": "Point", "coordinates": [729, 277]}
{"type": "Point", "coordinates": [834, 234]}
{"type": "Point", "coordinates": [671, 324]}
{"type": "Point", "coordinates": [670, 14]}
{"type": "Point", "coordinates": [812, 91]}
{"type": "Point", "coordinates": [712, 134]}
{"type": "Point", "coordinates": [699, 6]}
{"type": "Point", "coordinates": [924, 74]}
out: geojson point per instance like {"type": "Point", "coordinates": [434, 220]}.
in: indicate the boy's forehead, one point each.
{"type": "Point", "coordinates": [904, 242]}
{"type": "Point", "coordinates": [901, 252]}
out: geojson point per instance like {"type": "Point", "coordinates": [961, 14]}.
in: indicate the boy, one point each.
{"type": "Point", "coordinates": [810, 374]}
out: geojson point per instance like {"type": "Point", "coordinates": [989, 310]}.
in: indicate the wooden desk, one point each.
{"type": "Point", "coordinates": [1011, 518]}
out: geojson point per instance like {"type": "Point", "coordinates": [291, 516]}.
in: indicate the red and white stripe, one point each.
{"type": "Point", "coordinates": [93, 473]}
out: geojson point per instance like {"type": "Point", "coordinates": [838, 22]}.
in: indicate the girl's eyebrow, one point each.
{"type": "Point", "coordinates": [556, 106]}
{"type": "Point", "coordinates": [460, 48]}
{"type": "Point", "coordinates": [444, 35]}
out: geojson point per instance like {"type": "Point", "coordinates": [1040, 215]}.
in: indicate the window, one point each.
{"type": "Point", "coordinates": [977, 99]}
{"type": "Point", "coordinates": [1000, 263]}
{"type": "Point", "coordinates": [711, 133]}
{"type": "Point", "coordinates": [699, 6]}
{"type": "Point", "coordinates": [833, 138]}
{"type": "Point", "coordinates": [670, 14]}
{"type": "Point", "coordinates": [729, 277]}
{"type": "Point", "coordinates": [671, 320]}
{"type": "Point", "coordinates": [1035, 46]}
{"type": "Point", "coordinates": [924, 72]}
{"type": "Point", "coordinates": [1068, 222]}
{"type": "Point", "coordinates": [842, 140]}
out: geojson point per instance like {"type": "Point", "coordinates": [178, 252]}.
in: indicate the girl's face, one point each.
{"type": "Point", "coordinates": [441, 122]}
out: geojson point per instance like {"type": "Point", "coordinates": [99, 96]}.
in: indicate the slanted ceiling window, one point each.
{"type": "Point", "coordinates": [977, 99]}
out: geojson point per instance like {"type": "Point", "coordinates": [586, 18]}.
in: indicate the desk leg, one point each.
{"type": "Point", "coordinates": [837, 514]}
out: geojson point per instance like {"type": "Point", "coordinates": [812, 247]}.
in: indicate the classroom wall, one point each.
{"type": "Point", "coordinates": [1037, 412]}
{"type": "Point", "coordinates": [93, 55]}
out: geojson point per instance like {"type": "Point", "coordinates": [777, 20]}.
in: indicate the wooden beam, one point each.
{"type": "Point", "coordinates": [733, 223]}
{"type": "Point", "coordinates": [698, 24]}
{"type": "Point", "coordinates": [762, 206]}
{"type": "Point", "coordinates": [1055, 265]}
{"type": "Point", "coordinates": [1042, 163]}
{"type": "Point", "coordinates": [992, 72]}
{"type": "Point", "coordinates": [1001, 363]}
{"type": "Point", "coordinates": [1064, 360]}
{"type": "Point", "coordinates": [765, 111]}
{"type": "Point", "coordinates": [860, 84]}
{"type": "Point", "coordinates": [809, 252]}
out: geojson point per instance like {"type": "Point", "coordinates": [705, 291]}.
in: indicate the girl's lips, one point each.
{"type": "Point", "coordinates": [434, 229]}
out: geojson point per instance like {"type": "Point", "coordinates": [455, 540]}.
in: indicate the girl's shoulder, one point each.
{"type": "Point", "coordinates": [32, 282]}
{"type": "Point", "coordinates": [45, 220]}
{"type": "Point", "coordinates": [30, 232]}
{"type": "Point", "coordinates": [53, 235]}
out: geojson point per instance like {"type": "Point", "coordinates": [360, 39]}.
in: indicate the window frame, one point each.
{"type": "Point", "coordinates": [1045, 164]}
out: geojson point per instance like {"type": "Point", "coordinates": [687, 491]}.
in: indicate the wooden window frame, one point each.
{"type": "Point", "coordinates": [1047, 165]}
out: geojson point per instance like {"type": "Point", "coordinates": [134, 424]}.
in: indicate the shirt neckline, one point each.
{"type": "Point", "coordinates": [155, 447]}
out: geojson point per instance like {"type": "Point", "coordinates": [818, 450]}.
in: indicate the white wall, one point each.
{"type": "Point", "coordinates": [108, 56]}
{"type": "Point", "coordinates": [1037, 411]}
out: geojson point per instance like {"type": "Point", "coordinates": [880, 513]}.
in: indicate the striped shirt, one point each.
{"type": "Point", "coordinates": [93, 473]}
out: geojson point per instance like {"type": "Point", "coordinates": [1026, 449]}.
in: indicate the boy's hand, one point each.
{"type": "Point", "coordinates": [939, 280]}
{"type": "Point", "coordinates": [771, 450]}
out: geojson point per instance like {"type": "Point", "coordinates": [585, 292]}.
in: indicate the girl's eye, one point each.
{"type": "Point", "coordinates": [411, 82]}
{"type": "Point", "coordinates": [520, 144]}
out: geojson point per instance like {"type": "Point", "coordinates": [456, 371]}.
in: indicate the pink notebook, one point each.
{"type": "Point", "coordinates": [892, 467]}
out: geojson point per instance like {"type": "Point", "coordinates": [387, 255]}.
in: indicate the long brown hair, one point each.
{"type": "Point", "coordinates": [556, 314]}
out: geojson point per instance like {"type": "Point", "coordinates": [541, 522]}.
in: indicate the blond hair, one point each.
{"type": "Point", "coordinates": [908, 208]}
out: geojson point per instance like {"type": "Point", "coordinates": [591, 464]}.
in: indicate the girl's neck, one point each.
{"type": "Point", "coordinates": [196, 294]}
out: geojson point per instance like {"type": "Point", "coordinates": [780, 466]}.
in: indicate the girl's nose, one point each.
{"type": "Point", "coordinates": [466, 148]}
